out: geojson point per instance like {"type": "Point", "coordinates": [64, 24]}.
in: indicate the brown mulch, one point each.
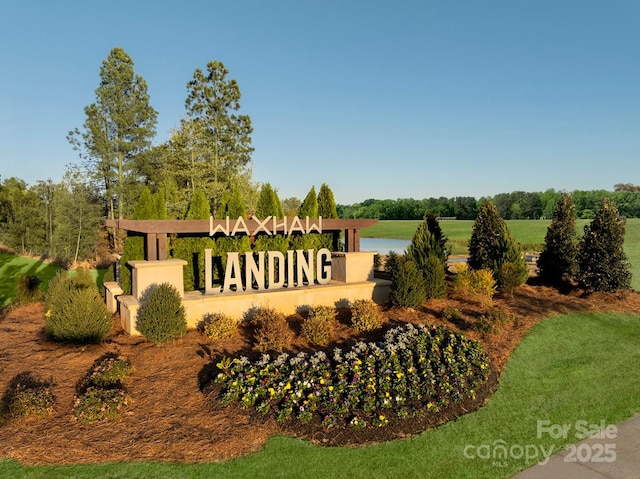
{"type": "Point", "coordinates": [169, 418]}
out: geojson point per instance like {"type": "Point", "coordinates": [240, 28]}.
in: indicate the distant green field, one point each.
{"type": "Point", "coordinates": [13, 267]}
{"type": "Point", "coordinates": [527, 232]}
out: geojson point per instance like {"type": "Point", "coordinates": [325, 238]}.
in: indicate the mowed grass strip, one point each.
{"type": "Point", "coordinates": [577, 370]}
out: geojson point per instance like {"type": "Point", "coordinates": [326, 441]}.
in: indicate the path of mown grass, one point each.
{"type": "Point", "coordinates": [577, 367]}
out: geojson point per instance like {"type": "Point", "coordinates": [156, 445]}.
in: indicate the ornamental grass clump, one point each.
{"type": "Point", "coordinates": [319, 325]}
{"type": "Point", "coordinates": [28, 395]}
{"type": "Point", "coordinates": [75, 311]}
{"type": "Point", "coordinates": [413, 371]}
{"type": "Point", "coordinates": [28, 290]}
{"type": "Point", "coordinates": [365, 315]}
{"type": "Point", "coordinates": [162, 317]}
{"type": "Point", "coordinates": [219, 325]}
{"type": "Point", "coordinates": [271, 330]}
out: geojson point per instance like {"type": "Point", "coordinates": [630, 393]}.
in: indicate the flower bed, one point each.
{"type": "Point", "coordinates": [413, 370]}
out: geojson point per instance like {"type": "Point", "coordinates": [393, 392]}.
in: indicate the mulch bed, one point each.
{"type": "Point", "coordinates": [171, 419]}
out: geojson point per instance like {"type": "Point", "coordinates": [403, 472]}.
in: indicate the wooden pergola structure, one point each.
{"type": "Point", "coordinates": [156, 231]}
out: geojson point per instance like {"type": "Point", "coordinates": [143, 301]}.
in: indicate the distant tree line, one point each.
{"type": "Point", "coordinates": [517, 205]}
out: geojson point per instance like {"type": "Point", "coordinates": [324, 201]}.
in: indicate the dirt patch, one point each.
{"type": "Point", "coordinates": [170, 419]}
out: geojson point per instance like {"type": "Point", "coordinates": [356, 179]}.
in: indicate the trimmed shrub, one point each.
{"type": "Point", "coordinates": [483, 286]}
{"type": "Point", "coordinates": [511, 276]}
{"type": "Point", "coordinates": [28, 290]}
{"type": "Point", "coordinates": [478, 285]}
{"type": "Point", "coordinates": [602, 262]}
{"type": "Point", "coordinates": [74, 310]}
{"type": "Point", "coordinates": [28, 395]}
{"type": "Point", "coordinates": [408, 287]}
{"type": "Point", "coordinates": [365, 315]}
{"type": "Point", "coordinates": [271, 332]}
{"type": "Point", "coordinates": [434, 278]}
{"type": "Point", "coordinates": [557, 261]}
{"type": "Point", "coordinates": [219, 325]}
{"type": "Point", "coordinates": [318, 327]}
{"type": "Point", "coordinates": [162, 317]}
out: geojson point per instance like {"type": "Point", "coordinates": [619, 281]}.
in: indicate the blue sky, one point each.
{"type": "Point", "coordinates": [402, 99]}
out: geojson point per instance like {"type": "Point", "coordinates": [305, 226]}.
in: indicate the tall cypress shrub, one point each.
{"type": "Point", "coordinates": [491, 246]}
{"type": "Point", "coordinates": [191, 248]}
{"type": "Point", "coordinates": [557, 262]}
{"type": "Point", "coordinates": [428, 250]}
{"type": "Point", "coordinates": [602, 262]}
{"type": "Point", "coordinates": [327, 209]}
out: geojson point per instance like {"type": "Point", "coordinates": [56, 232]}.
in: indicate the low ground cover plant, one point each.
{"type": "Point", "coordinates": [28, 395]}
{"type": "Point", "coordinates": [413, 370]}
{"type": "Point", "coordinates": [102, 393]}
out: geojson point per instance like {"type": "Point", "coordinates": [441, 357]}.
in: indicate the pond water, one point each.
{"type": "Point", "coordinates": [384, 245]}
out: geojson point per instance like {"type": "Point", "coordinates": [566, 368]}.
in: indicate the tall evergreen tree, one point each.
{"type": "Point", "coordinates": [557, 261]}
{"type": "Point", "coordinates": [119, 125]}
{"type": "Point", "coordinates": [491, 247]}
{"type": "Point", "coordinates": [602, 262]}
{"type": "Point", "coordinates": [309, 206]}
{"type": "Point", "coordinates": [486, 230]}
{"type": "Point", "coordinates": [224, 137]}
{"type": "Point", "coordinates": [327, 209]}
{"type": "Point", "coordinates": [429, 252]}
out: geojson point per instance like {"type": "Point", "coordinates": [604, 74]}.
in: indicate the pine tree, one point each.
{"type": "Point", "coordinates": [557, 261]}
{"type": "Point", "coordinates": [602, 262]}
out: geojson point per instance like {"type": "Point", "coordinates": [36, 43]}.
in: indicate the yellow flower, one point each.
{"type": "Point", "coordinates": [48, 314]}
{"type": "Point", "coordinates": [287, 387]}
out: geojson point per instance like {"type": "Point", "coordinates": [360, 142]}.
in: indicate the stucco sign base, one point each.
{"type": "Point", "coordinates": [287, 301]}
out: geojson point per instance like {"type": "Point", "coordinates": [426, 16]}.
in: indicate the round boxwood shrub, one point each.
{"type": "Point", "coordinates": [365, 315]}
{"type": "Point", "coordinates": [74, 310]}
{"type": "Point", "coordinates": [318, 327]}
{"type": "Point", "coordinates": [162, 317]}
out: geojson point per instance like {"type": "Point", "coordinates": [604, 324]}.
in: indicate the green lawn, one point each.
{"type": "Point", "coordinates": [13, 267]}
{"type": "Point", "coordinates": [570, 368]}
{"type": "Point", "coordinates": [527, 232]}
